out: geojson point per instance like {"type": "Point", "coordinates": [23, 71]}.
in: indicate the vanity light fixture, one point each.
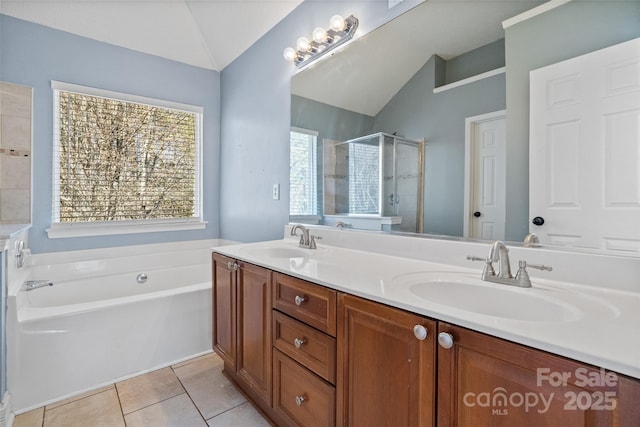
{"type": "Point", "coordinates": [322, 41]}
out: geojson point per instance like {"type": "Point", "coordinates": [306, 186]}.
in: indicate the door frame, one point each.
{"type": "Point", "coordinates": [469, 126]}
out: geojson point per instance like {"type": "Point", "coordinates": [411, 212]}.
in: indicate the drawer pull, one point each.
{"type": "Point", "coordinates": [298, 342]}
{"type": "Point", "coordinates": [299, 300]}
{"type": "Point", "coordinates": [300, 399]}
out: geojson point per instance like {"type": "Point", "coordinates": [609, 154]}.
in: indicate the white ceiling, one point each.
{"type": "Point", "coordinates": [366, 75]}
{"type": "Point", "coordinates": [203, 33]}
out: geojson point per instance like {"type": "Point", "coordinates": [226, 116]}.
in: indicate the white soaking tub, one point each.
{"type": "Point", "coordinates": [97, 324]}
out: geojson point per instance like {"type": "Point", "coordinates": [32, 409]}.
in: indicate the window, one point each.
{"type": "Point", "coordinates": [122, 160]}
{"type": "Point", "coordinates": [303, 179]}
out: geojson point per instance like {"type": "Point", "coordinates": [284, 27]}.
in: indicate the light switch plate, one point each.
{"type": "Point", "coordinates": [276, 191]}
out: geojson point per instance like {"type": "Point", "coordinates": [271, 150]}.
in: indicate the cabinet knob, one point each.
{"type": "Point", "coordinates": [299, 300]}
{"type": "Point", "coordinates": [232, 265]}
{"type": "Point", "coordinates": [300, 399]}
{"type": "Point", "coordinates": [420, 332]}
{"type": "Point", "coordinates": [445, 340]}
{"type": "Point", "coordinates": [298, 342]}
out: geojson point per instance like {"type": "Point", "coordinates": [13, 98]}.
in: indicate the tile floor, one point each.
{"type": "Point", "coordinates": [191, 393]}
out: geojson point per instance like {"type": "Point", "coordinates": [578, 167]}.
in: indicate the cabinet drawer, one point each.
{"type": "Point", "coordinates": [312, 304]}
{"type": "Point", "coordinates": [299, 396]}
{"type": "Point", "coordinates": [312, 349]}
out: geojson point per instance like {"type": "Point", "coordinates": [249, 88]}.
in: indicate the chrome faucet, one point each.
{"type": "Point", "coordinates": [531, 240]}
{"type": "Point", "coordinates": [500, 253]}
{"type": "Point", "coordinates": [307, 240]}
{"type": "Point", "coordinates": [30, 285]}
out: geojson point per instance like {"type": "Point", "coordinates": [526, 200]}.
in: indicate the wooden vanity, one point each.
{"type": "Point", "coordinates": [308, 355]}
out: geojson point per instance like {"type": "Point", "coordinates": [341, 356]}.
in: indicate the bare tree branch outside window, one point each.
{"type": "Point", "coordinates": [122, 160]}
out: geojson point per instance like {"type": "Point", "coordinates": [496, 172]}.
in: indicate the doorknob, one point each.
{"type": "Point", "coordinates": [477, 214]}
{"type": "Point", "coordinates": [538, 220]}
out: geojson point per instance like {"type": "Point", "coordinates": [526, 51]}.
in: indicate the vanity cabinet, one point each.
{"type": "Point", "coordinates": [307, 355]}
{"type": "Point", "coordinates": [242, 325]}
{"type": "Point", "coordinates": [487, 381]}
{"type": "Point", "coordinates": [386, 365]}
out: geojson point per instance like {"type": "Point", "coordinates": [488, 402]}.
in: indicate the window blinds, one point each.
{"type": "Point", "coordinates": [120, 160]}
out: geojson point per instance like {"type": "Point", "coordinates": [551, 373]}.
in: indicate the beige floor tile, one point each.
{"type": "Point", "coordinates": [144, 390]}
{"type": "Point", "coordinates": [244, 415]}
{"type": "Point", "coordinates": [29, 419]}
{"type": "Point", "coordinates": [99, 410]}
{"type": "Point", "coordinates": [78, 397]}
{"type": "Point", "coordinates": [208, 388]}
{"type": "Point", "coordinates": [176, 411]}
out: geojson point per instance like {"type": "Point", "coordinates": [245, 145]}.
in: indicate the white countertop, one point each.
{"type": "Point", "coordinates": [603, 331]}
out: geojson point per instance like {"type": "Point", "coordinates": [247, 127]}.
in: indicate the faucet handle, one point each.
{"type": "Point", "coordinates": [524, 264]}
{"type": "Point", "coordinates": [312, 241]}
{"type": "Point", "coordinates": [523, 277]}
{"type": "Point", "coordinates": [488, 266]}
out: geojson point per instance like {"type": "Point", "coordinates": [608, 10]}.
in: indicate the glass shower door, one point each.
{"type": "Point", "coordinates": [408, 186]}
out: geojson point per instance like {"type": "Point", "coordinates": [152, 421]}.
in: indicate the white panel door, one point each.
{"type": "Point", "coordinates": [584, 165]}
{"type": "Point", "coordinates": [488, 186]}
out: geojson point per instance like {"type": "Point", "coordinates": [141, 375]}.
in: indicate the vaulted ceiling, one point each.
{"type": "Point", "coordinates": [203, 33]}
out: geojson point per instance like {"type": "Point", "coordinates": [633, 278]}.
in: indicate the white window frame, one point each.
{"type": "Point", "coordinates": [59, 229]}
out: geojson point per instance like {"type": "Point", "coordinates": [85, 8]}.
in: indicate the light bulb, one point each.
{"type": "Point", "coordinates": [290, 54]}
{"type": "Point", "coordinates": [337, 23]}
{"type": "Point", "coordinates": [302, 44]}
{"type": "Point", "coordinates": [319, 35]}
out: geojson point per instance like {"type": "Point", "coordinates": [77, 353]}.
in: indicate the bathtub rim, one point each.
{"type": "Point", "coordinates": [47, 258]}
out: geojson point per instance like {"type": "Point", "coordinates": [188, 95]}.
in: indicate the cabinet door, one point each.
{"type": "Point", "coordinates": [254, 330]}
{"type": "Point", "coordinates": [486, 381]}
{"type": "Point", "coordinates": [385, 376]}
{"type": "Point", "coordinates": [224, 310]}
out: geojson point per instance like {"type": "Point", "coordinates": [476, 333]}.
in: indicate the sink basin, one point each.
{"type": "Point", "coordinates": [464, 292]}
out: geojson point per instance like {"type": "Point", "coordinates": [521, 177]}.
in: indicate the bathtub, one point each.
{"type": "Point", "coordinates": [97, 324]}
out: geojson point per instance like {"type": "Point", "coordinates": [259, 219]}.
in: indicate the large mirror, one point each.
{"type": "Point", "coordinates": [437, 73]}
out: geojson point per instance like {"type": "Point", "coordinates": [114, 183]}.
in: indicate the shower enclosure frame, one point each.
{"type": "Point", "coordinates": [419, 144]}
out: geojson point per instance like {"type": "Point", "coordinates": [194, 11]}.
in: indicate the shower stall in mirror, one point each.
{"type": "Point", "coordinates": [374, 182]}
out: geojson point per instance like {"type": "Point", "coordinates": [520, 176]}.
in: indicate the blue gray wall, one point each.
{"type": "Point", "coordinates": [417, 112]}
{"type": "Point", "coordinates": [33, 55]}
{"type": "Point", "coordinates": [255, 119]}
{"type": "Point", "coordinates": [573, 29]}
{"type": "Point", "coordinates": [331, 122]}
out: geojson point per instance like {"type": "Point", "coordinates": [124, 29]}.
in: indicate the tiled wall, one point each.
{"type": "Point", "coordinates": [15, 153]}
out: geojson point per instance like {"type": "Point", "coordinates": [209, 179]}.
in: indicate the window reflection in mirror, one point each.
{"type": "Point", "coordinates": [303, 166]}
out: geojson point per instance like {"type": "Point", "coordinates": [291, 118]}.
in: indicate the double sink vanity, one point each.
{"type": "Point", "coordinates": [411, 333]}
